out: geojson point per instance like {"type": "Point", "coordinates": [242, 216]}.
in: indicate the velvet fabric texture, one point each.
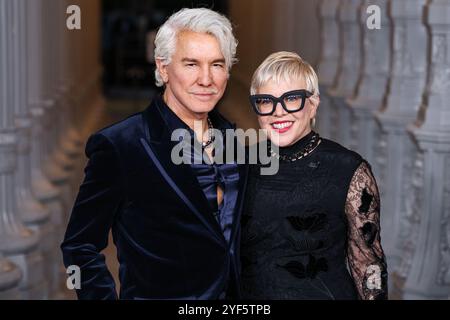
{"type": "Point", "coordinates": [210, 175]}
{"type": "Point", "coordinates": [169, 244]}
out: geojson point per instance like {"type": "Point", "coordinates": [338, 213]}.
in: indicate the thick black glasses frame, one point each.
{"type": "Point", "coordinates": [303, 93]}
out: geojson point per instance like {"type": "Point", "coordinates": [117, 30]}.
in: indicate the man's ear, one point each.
{"type": "Point", "coordinates": [162, 69]}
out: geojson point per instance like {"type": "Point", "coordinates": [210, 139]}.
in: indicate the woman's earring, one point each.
{"type": "Point", "coordinates": [313, 122]}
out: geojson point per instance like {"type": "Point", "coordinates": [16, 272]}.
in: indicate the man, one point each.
{"type": "Point", "coordinates": [175, 226]}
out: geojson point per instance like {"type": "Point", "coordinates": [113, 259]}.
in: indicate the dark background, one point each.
{"type": "Point", "coordinates": [125, 24]}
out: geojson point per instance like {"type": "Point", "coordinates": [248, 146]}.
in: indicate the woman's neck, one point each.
{"type": "Point", "coordinates": [297, 145]}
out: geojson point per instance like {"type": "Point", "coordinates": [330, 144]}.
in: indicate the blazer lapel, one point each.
{"type": "Point", "coordinates": [158, 146]}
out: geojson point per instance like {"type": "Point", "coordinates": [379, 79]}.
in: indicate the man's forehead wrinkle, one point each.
{"type": "Point", "coordinates": [188, 48]}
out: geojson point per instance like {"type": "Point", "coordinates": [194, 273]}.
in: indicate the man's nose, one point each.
{"type": "Point", "coordinates": [205, 77]}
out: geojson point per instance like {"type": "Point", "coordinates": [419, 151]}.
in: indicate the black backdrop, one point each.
{"type": "Point", "coordinates": [125, 24]}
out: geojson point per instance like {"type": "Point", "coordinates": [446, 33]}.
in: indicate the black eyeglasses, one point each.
{"type": "Point", "coordinates": [291, 101]}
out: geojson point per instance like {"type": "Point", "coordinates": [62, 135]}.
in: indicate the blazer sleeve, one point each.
{"type": "Point", "coordinates": [92, 216]}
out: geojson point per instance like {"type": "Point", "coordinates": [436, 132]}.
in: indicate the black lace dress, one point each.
{"type": "Point", "coordinates": [312, 230]}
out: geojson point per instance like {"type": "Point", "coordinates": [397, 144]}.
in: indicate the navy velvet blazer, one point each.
{"type": "Point", "coordinates": [168, 242]}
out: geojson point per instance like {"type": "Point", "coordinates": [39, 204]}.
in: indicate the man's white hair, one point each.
{"type": "Point", "coordinates": [200, 20]}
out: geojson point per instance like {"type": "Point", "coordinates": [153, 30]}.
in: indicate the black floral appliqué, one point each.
{"type": "Point", "coordinates": [366, 200]}
{"type": "Point", "coordinates": [312, 223]}
{"type": "Point", "coordinates": [314, 266]}
{"type": "Point", "coordinates": [314, 164]}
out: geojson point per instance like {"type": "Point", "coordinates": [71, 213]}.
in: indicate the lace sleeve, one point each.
{"type": "Point", "coordinates": [365, 255]}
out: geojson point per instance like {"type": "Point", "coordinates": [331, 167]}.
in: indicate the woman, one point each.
{"type": "Point", "coordinates": [312, 230]}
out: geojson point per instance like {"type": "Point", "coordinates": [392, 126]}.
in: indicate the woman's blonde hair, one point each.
{"type": "Point", "coordinates": [284, 66]}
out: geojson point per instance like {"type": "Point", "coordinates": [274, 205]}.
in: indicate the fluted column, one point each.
{"type": "Point", "coordinates": [57, 164]}
{"type": "Point", "coordinates": [328, 64]}
{"type": "Point", "coordinates": [32, 212]}
{"type": "Point", "coordinates": [40, 98]}
{"type": "Point", "coordinates": [429, 274]}
{"type": "Point", "coordinates": [345, 86]}
{"type": "Point", "coordinates": [45, 191]}
{"type": "Point", "coordinates": [10, 274]}
{"type": "Point", "coordinates": [17, 242]}
{"type": "Point", "coordinates": [9, 280]}
{"type": "Point", "coordinates": [52, 167]}
{"type": "Point", "coordinates": [372, 86]}
{"type": "Point", "coordinates": [406, 86]}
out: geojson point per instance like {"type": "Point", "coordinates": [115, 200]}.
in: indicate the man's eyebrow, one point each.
{"type": "Point", "coordinates": [221, 60]}
{"type": "Point", "coordinates": [189, 60]}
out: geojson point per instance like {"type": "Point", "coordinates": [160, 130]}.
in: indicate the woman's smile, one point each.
{"type": "Point", "coordinates": [282, 126]}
